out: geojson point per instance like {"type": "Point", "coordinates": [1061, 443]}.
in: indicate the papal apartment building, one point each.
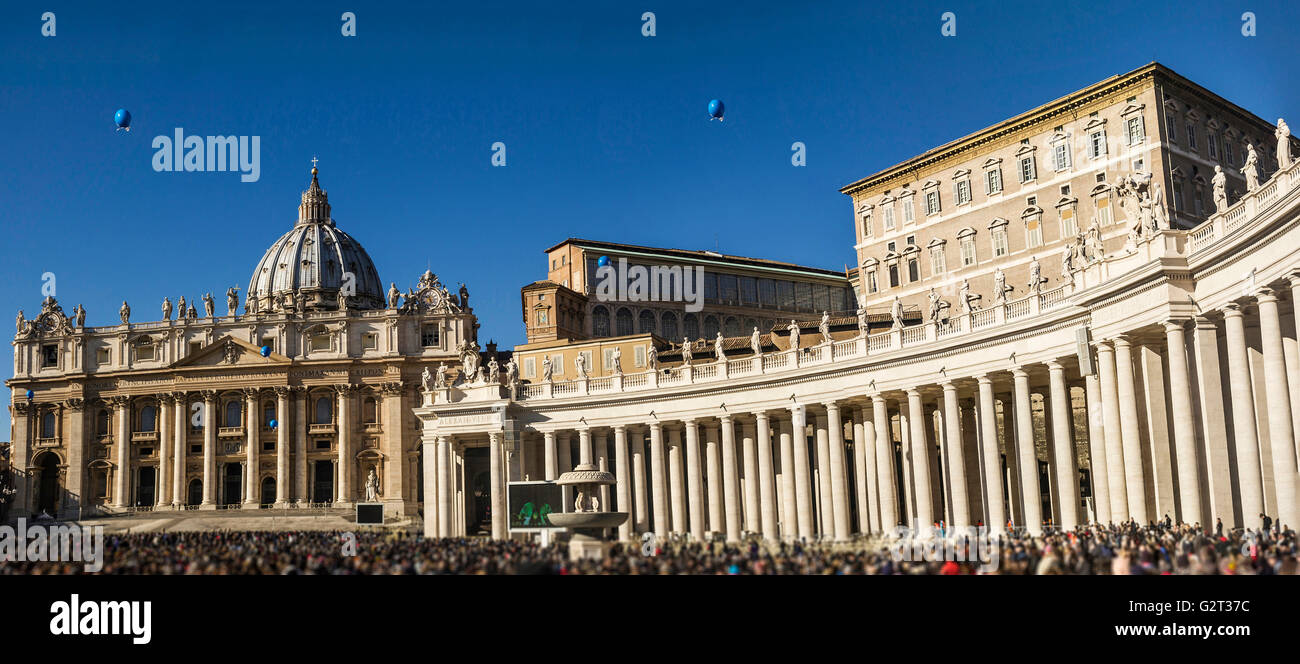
{"type": "Point", "coordinates": [1109, 333]}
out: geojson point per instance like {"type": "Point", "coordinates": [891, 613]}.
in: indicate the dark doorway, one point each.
{"type": "Point", "coordinates": [234, 478]}
{"type": "Point", "coordinates": [268, 490]}
{"type": "Point", "coordinates": [48, 501]}
{"type": "Point", "coordinates": [144, 492]}
{"type": "Point", "coordinates": [195, 492]}
{"type": "Point", "coordinates": [478, 508]}
{"type": "Point", "coordinates": [323, 487]}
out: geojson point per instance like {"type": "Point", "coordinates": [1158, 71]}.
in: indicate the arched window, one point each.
{"type": "Point", "coordinates": [101, 422]}
{"type": "Point", "coordinates": [732, 327]}
{"type": "Point", "coordinates": [369, 411]}
{"type": "Point", "coordinates": [600, 322]}
{"type": "Point", "coordinates": [147, 418]}
{"type": "Point", "coordinates": [47, 424]}
{"type": "Point", "coordinates": [268, 413]}
{"type": "Point", "coordinates": [669, 326]}
{"type": "Point", "coordinates": [710, 327]}
{"type": "Point", "coordinates": [691, 326]}
{"type": "Point", "coordinates": [234, 414]}
{"type": "Point", "coordinates": [750, 324]}
{"type": "Point", "coordinates": [324, 410]}
{"type": "Point", "coordinates": [624, 321]}
{"type": "Point", "coordinates": [646, 322]}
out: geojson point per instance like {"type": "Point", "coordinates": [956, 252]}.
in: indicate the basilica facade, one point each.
{"type": "Point", "coordinates": [303, 398]}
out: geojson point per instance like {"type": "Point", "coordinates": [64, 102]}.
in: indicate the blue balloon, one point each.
{"type": "Point", "coordinates": [716, 109]}
{"type": "Point", "coordinates": [273, 424]}
{"type": "Point", "coordinates": [123, 119]}
{"type": "Point", "coordinates": [602, 261]}
{"type": "Point", "coordinates": [266, 351]}
{"type": "Point", "coordinates": [30, 394]}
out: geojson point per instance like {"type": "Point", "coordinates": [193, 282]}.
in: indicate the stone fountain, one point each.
{"type": "Point", "coordinates": [587, 522]}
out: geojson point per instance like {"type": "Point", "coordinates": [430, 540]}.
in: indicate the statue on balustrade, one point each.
{"type": "Point", "coordinates": [209, 305]}
{"type": "Point", "coordinates": [1093, 248]}
{"type": "Point", "coordinates": [193, 313]}
{"type": "Point", "coordinates": [1251, 169]}
{"type": "Point", "coordinates": [862, 322]}
{"type": "Point", "coordinates": [968, 298]}
{"type": "Point", "coordinates": [125, 312]}
{"type": "Point", "coordinates": [616, 359]}
{"type": "Point", "coordinates": [1283, 135]}
{"type": "Point", "coordinates": [1000, 287]}
{"type": "Point", "coordinates": [512, 372]}
{"type": "Point", "coordinates": [394, 295]}
{"type": "Point", "coordinates": [580, 366]}
{"type": "Point", "coordinates": [464, 297]}
{"type": "Point", "coordinates": [181, 311]}
{"type": "Point", "coordinates": [686, 352]}
{"type": "Point", "coordinates": [232, 301]}
{"type": "Point", "coordinates": [1035, 276]}
{"type": "Point", "coordinates": [469, 358]}
{"type": "Point", "coordinates": [167, 308]}
{"type": "Point", "coordinates": [426, 379]}
{"type": "Point", "coordinates": [1067, 263]}
{"type": "Point", "coordinates": [1220, 183]}
{"type": "Point", "coordinates": [793, 328]}
{"type": "Point", "coordinates": [896, 312]}
{"type": "Point", "coordinates": [547, 368]}
{"type": "Point", "coordinates": [80, 313]}
{"type": "Point", "coordinates": [494, 370]}
{"type": "Point", "coordinates": [441, 377]}
{"type": "Point", "coordinates": [22, 323]}
{"type": "Point", "coordinates": [755, 343]}
{"type": "Point", "coordinates": [372, 486]}
{"type": "Point", "coordinates": [824, 327]}
{"type": "Point", "coordinates": [936, 306]}
{"type": "Point", "coordinates": [652, 357]}
{"type": "Point", "coordinates": [718, 352]}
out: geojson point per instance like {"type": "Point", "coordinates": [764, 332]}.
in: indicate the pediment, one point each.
{"type": "Point", "coordinates": [1132, 108]}
{"type": "Point", "coordinates": [1095, 123]}
{"type": "Point", "coordinates": [228, 351]}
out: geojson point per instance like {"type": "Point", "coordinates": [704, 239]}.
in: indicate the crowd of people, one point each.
{"type": "Point", "coordinates": [1163, 548]}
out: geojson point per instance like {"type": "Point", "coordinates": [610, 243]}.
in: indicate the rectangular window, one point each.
{"type": "Point", "coordinates": [866, 226]}
{"type": "Point", "coordinates": [767, 293]}
{"type": "Point", "coordinates": [1061, 156]}
{"type": "Point", "coordinates": [1000, 241]}
{"type": "Point", "coordinates": [144, 353]}
{"type": "Point", "coordinates": [931, 203]}
{"type": "Point", "coordinates": [1069, 228]}
{"type": "Point", "coordinates": [1227, 152]}
{"type": "Point", "coordinates": [961, 191]}
{"type": "Point", "coordinates": [1139, 165]}
{"type": "Point", "coordinates": [530, 367]}
{"type": "Point", "coordinates": [888, 216]}
{"type": "Point", "coordinates": [1027, 171]}
{"type": "Point", "coordinates": [909, 210]}
{"type": "Point", "coordinates": [320, 342]}
{"type": "Point", "coordinates": [1191, 135]}
{"type": "Point", "coordinates": [1097, 144]}
{"type": "Point", "coordinates": [937, 263]}
{"type": "Point", "coordinates": [1034, 231]}
{"type": "Point", "coordinates": [913, 269]}
{"type": "Point", "coordinates": [785, 295]}
{"type": "Point", "coordinates": [1171, 128]}
{"type": "Point", "coordinates": [871, 281]}
{"type": "Point", "coordinates": [102, 356]}
{"type": "Point", "coordinates": [710, 286]}
{"type": "Point", "coordinates": [893, 276]}
{"type": "Point", "coordinates": [968, 251]}
{"type": "Point", "coordinates": [1178, 197]}
{"type": "Point", "coordinates": [638, 356]}
{"type": "Point", "coordinates": [608, 359]}
{"type": "Point", "coordinates": [1103, 210]}
{"type": "Point", "coordinates": [543, 317]}
{"type": "Point", "coordinates": [1212, 145]}
{"type": "Point", "coordinates": [429, 336]}
{"type": "Point", "coordinates": [821, 297]}
{"type": "Point", "coordinates": [586, 361]}
{"type": "Point", "coordinates": [370, 341]}
{"type": "Point", "coordinates": [1136, 134]}
{"type": "Point", "coordinates": [749, 291]}
{"type": "Point", "coordinates": [993, 181]}
{"type": "Point", "coordinates": [50, 355]}
{"type": "Point", "coordinates": [803, 296]}
{"type": "Point", "coordinates": [730, 290]}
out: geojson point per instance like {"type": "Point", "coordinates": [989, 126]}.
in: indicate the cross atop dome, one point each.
{"type": "Point", "coordinates": [315, 206]}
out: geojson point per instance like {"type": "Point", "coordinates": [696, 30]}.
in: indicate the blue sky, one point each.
{"type": "Point", "coordinates": [606, 131]}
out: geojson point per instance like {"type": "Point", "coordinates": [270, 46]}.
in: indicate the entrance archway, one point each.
{"type": "Point", "coordinates": [268, 490]}
{"type": "Point", "coordinates": [195, 492]}
{"type": "Point", "coordinates": [144, 491]}
{"type": "Point", "coordinates": [48, 499]}
{"type": "Point", "coordinates": [234, 478]}
{"type": "Point", "coordinates": [323, 486]}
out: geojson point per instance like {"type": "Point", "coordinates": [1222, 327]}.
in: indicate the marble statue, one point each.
{"type": "Point", "coordinates": [721, 355]}
{"type": "Point", "coordinates": [1156, 199]}
{"type": "Point", "coordinates": [1067, 264]}
{"type": "Point", "coordinates": [181, 310]}
{"type": "Point", "coordinates": [1220, 183]}
{"type": "Point", "coordinates": [967, 298]}
{"type": "Point", "coordinates": [441, 377]}
{"type": "Point", "coordinates": [343, 300]}
{"type": "Point", "coordinates": [80, 312]}
{"type": "Point", "coordinates": [22, 322]}
{"type": "Point", "coordinates": [167, 308]}
{"type": "Point", "coordinates": [1000, 287]}
{"type": "Point", "coordinates": [580, 366]}
{"type": "Point", "coordinates": [291, 302]}
{"type": "Point", "coordinates": [1035, 276]}
{"type": "Point", "coordinates": [546, 368]}
{"type": "Point", "coordinates": [935, 305]}
{"type": "Point", "coordinates": [426, 377]}
{"type": "Point", "coordinates": [1093, 248]}
{"type": "Point", "coordinates": [494, 370]}
{"type": "Point", "coordinates": [512, 371]}
{"type": "Point", "coordinates": [394, 295]}
{"type": "Point", "coordinates": [896, 313]}
{"type": "Point", "coordinates": [793, 328]}
{"type": "Point", "coordinates": [824, 327]}
{"type": "Point", "coordinates": [1251, 168]}
{"type": "Point", "coordinates": [862, 321]}
{"type": "Point", "coordinates": [464, 297]}
{"type": "Point", "coordinates": [482, 376]}
{"type": "Point", "coordinates": [652, 357]}
{"type": "Point", "coordinates": [209, 305]}
{"type": "Point", "coordinates": [125, 312]}
{"type": "Point", "coordinates": [1283, 135]}
{"type": "Point", "coordinates": [686, 352]}
{"type": "Point", "coordinates": [372, 486]}
{"type": "Point", "coordinates": [469, 358]}
{"type": "Point", "coordinates": [755, 342]}
{"type": "Point", "coordinates": [193, 313]}
{"type": "Point", "coordinates": [232, 300]}
{"type": "Point", "coordinates": [251, 306]}
{"type": "Point", "coordinates": [616, 358]}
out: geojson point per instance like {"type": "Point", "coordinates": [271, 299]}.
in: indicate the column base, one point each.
{"type": "Point", "coordinates": [206, 507]}
{"type": "Point", "coordinates": [282, 504]}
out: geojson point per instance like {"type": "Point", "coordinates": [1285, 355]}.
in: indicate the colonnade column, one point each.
{"type": "Point", "coordinates": [823, 504]}
{"type": "Point", "coordinates": [802, 477]}
{"type": "Point", "coordinates": [676, 479]}
{"type": "Point", "coordinates": [209, 449]}
{"type": "Point", "coordinates": [498, 493]}
{"type": "Point", "coordinates": [1180, 394]}
{"type": "Point", "coordinates": [713, 471]}
{"type": "Point", "coordinates": [252, 443]}
{"type": "Point", "coordinates": [165, 447]}
{"type": "Point", "coordinates": [432, 488]}
{"type": "Point", "coordinates": [1280, 433]}
{"type": "Point", "coordinates": [1098, 468]}
{"type": "Point", "coordinates": [839, 490]}
{"type": "Point", "coordinates": [997, 513]}
{"type": "Point", "coordinates": [444, 486]}
{"type": "Point", "coordinates": [658, 485]}
{"type": "Point", "coordinates": [887, 487]}
{"type": "Point", "coordinates": [766, 478]}
{"type": "Point", "coordinates": [282, 446]}
{"type": "Point", "coordinates": [864, 464]}
{"type": "Point", "coordinates": [956, 457]}
{"type": "Point", "coordinates": [179, 417]}
{"type": "Point", "coordinates": [730, 481]}
{"type": "Point", "coordinates": [749, 462]}
{"type": "Point", "coordinates": [694, 482]}
{"type": "Point", "coordinates": [1028, 461]}
{"type": "Point", "coordinates": [344, 470]}
{"type": "Point", "coordinates": [122, 406]}
{"type": "Point", "coordinates": [1067, 477]}
{"type": "Point", "coordinates": [551, 466]}
{"type": "Point", "coordinates": [1245, 436]}
{"type": "Point", "coordinates": [623, 475]}
{"type": "Point", "coordinates": [919, 453]}
{"type": "Point", "coordinates": [1115, 474]}
{"type": "Point", "coordinates": [1134, 476]}
{"type": "Point", "coordinates": [640, 503]}
{"type": "Point", "coordinates": [301, 490]}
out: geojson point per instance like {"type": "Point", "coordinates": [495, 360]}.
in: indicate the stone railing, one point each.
{"type": "Point", "coordinates": [1221, 224]}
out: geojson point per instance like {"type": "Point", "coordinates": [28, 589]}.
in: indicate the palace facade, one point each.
{"type": "Point", "coordinates": [1152, 368]}
{"type": "Point", "coordinates": [295, 401]}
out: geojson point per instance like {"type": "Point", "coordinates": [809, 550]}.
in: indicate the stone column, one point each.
{"type": "Point", "coordinates": [730, 481]}
{"type": "Point", "coordinates": [1100, 483]}
{"type": "Point", "coordinates": [766, 479]}
{"type": "Point", "coordinates": [864, 452]}
{"type": "Point", "coordinates": [180, 426]}
{"type": "Point", "coordinates": [802, 477]}
{"type": "Point", "coordinates": [584, 447]}
{"type": "Point", "coordinates": [993, 498]}
{"type": "Point", "coordinates": [445, 481]}
{"type": "Point", "coordinates": [1067, 475]}
{"type": "Point", "coordinates": [1246, 438]}
{"type": "Point", "coordinates": [393, 488]}
{"type": "Point", "coordinates": [623, 476]}
{"type": "Point", "coordinates": [552, 467]}
{"type": "Point", "coordinates": [165, 444]}
{"type": "Point", "coordinates": [209, 450]}
{"type": "Point", "coordinates": [600, 445]}
{"type": "Point", "coordinates": [252, 445]}
{"type": "Point", "coordinates": [1115, 474]}
{"type": "Point", "coordinates": [839, 477]}
{"type": "Point", "coordinates": [749, 460]}
{"type": "Point", "coordinates": [1180, 397]}
{"type": "Point", "coordinates": [301, 490]}
{"type": "Point", "coordinates": [713, 471]}
{"type": "Point", "coordinates": [790, 524]}
{"type": "Point", "coordinates": [282, 447]}
{"type": "Point", "coordinates": [122, 446]}
{"type": "Point", "coordinates": [1280, 433]}
{"type": "Point", "coordinates": [1033, 503]}
{"type": "Point", "coordinates": [918, 451]}
{"type": "Point", "coordinates": [640, 503]}
{"type": "Point", "coordinates": [1135, 477]}
{"type": "Point", "coordinates": [676, 480]}
{"type": "Point", "coordinates": [500, 524]}
{"type": "Point", "coordinates": [431, 488]}
{"type": "Point", "coordinates": [694, 481]}
{"type": "Point", "coordinates": [1213, 427]}
{"type": "Point", "coordinates": [887, 487]}
{"type": "Point", "coordinates": [823, 505]}
{"type": "Point", "coordinates": [956, 456]}
{"type": "Point", "coordinates": [344, 495]}
{"type": "Point", "coordinates": [658, 483]}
